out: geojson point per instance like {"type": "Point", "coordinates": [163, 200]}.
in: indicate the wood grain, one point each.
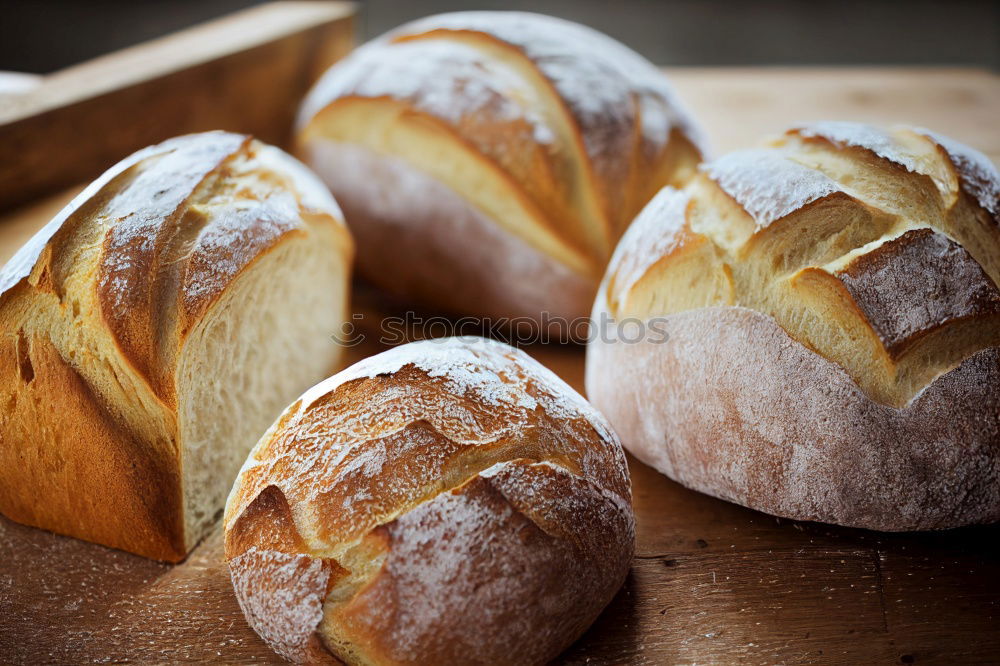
{"type": "Point", "coordinates": [245, 72]}
{"type": "Point", "coordinates": [738, 106]}
{"type": "Point", "coordinates": [712, 582]}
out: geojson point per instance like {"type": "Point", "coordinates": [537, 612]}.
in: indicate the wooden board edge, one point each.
{"type": "Point", "coordinates": [243, 72]}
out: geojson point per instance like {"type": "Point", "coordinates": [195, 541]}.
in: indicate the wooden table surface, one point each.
{"type": "Point", "coordinates": [711, 582]}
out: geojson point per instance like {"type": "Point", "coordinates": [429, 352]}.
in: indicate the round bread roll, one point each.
{"type": "Point", "coordinates": [446, 502]}
{"type": "Point", "coordinates": [488, 161]}
{"type": "Point", "coordinates": [821, 330]}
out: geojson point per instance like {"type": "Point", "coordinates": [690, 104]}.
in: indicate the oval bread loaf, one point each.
{"type": "Point", "coordinates": [154, 329]}
{"type": "Point", "coordinates": [832, 318]}
{"type": "Point", "coordinates": [488, 161]}
{"type": "Point", "coordinates": [445, 502]}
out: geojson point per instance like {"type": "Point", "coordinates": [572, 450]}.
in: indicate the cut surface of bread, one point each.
{"type": "Point", "coordinates": [152, 331]}
{"type": "Point", "coordinates": [446, 501]}
{"type": "Point", "coordinates": [553, 132]}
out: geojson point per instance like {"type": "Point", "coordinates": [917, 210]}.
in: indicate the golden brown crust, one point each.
{"type": "Point", "coordinates": [174, 250]}
{"type": "Point", "coordinates": [924, 274]}
{"type": "Point", "coordinates": [863, 244]}
{"type": "Point", "coordinates": [854, 382]}
{"type": "Point", "coordinates": [264, 538]}
{"type": "Point", "coordinates": [97, 309]}
{"type": "Point", "coordinates": [90, 462]}
{"type": "Point", "coordinates": [460, 247]}
{"type": "Point", "coordinates": [267, 524]}
{"type": "Point", "coordinates": [147, 214]}
{"type": "Point", "coordinates": [624, 113]}
{"type": "Point", "coordinates": [494, 466]}
{"type": "Point", "coordinates": [529, 568]}
{"type": "Point", "coordinates": [575, 128]}
{"type": "Point", "coordinates": [225, 249]}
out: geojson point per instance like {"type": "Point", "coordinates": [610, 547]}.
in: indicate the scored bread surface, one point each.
{"type": "Point", "coordinates": [874, 255]}
{"type": "Point", "coordinates": [552, 132]}
{"type": "Point", "coordinates": [123, 322]}
{"type": "Point", "coordinates": [448, 490]}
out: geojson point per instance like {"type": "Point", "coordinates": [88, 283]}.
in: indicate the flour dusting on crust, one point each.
{"type": "Point", "coordinates": [235, 237]}
{"type": "Point", "coordinates": [746, 413]}
{"type": "Point", "coordinates": [313, 195]}
{"type": "Point", "coordinates": [861, 135]}
{"type": "Point", "coordinates": [522, 521]}
{"type": "Point", "coordinates": [978, 174]}
{"type": "Point", "coordinates": [489, 269]}
{"type": "Point", "coordinates": [451, 81]}
{"type": "Point", "coordinates": [592, 73]}
{"type": "Point", "coordinates": [498, 469]}
{"type": "Point", "coordinates": [281, 595]}
{"type": "Point", "coordinates": [767, 185]}
{"type": "Point", "coordinates": [21, 264]}
{"type": "Point", "coordinates": [586, 127]}
{"type": "Point", "coordinates": [478, 367]}
{"type": "Point", "coordinates": [857, 381]}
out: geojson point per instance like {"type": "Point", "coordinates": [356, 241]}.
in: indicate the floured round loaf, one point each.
{"type": "Point", "coordinates": [823, 330]}
{"type": "Point", "coordinates": [153, 329]}
{"type": "Point", "coordinates": [488, 161]}
{"type": "Point", "coordinates": [445, 502]}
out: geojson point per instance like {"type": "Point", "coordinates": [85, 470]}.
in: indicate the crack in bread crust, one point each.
{"type": "Point", "coordinates": [829, 330]}
{"type": "Point", "coordinates": [878, 250]}
{"type": "Point", "coordinates": [476, 557]}
{"type": "Point", "coordinates": [445, 421]}
{"type": "Point", "coordinates": [551, 132]}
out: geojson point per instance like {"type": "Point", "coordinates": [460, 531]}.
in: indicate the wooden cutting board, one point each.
{"type": "Point", "coordinates": [711, 583]}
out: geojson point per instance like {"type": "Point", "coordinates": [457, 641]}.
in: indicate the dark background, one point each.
{"type": "Point", "coordinates": [41, 36]}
